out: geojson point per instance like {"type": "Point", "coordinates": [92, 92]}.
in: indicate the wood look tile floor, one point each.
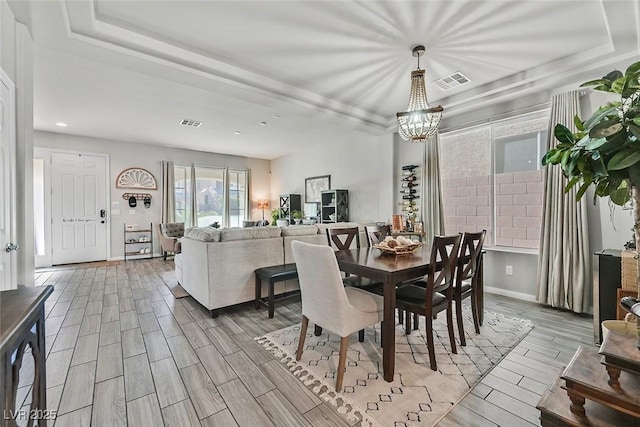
{"type": "Point", "coordinates": [122, 351]}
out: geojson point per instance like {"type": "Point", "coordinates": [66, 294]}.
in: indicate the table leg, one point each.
{"type": "Point", "coordinates": [271, 299]}
{"type": "Point", "coordinates": [388, 330]}
{"type": "Point", "coordinates": [256, 304]}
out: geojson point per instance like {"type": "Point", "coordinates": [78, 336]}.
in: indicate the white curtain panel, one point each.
{"type": "Point", "coordinates": [432, 211]}
{"type": "Point", "coordinates": [564, 263]}
{"type": "Point", "coordinates": [168, 195]}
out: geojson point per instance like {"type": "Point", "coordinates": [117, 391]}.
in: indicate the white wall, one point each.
{"type": "Point", "coordinates": [123, 155]}
{"type": "Point", "coordinates": [363, 165]}
{"type": "Point", "coordinates": [16, 59]}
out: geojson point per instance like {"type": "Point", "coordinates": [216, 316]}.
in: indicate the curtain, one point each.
{"type": "Point", "coordinates": [194, 198]}
{"type": "Point", "coordinates": [247, 195]}
{"type": "Point", "coordinates": [432, 212]}
{"type": "Point", "coordinates": [168, 195]}
{"type": "Point", "coordinates": [564, 263]}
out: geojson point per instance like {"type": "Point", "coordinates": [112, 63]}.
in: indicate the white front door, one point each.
{"type": "Point", "coordinates": [8, 273]}
{"type": "Point", "coordinates": [78, 208]}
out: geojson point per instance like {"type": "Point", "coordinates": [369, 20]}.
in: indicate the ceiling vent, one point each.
{"type": "Point", "coordinates": [454, 80]}
{"type": "Point", "coordinates": [190, 123]}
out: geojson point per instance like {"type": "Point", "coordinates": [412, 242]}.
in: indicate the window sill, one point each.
{"type": "Point", "coordinates": [512, 250]}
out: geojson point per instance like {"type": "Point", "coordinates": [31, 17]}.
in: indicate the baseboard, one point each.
{"type": "Point", "coordinates": [121, 258]}
{"type": "Point", "coordinates": [511, 294]}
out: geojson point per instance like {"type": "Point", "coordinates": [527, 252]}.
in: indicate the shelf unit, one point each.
{"type": "Point", "coordinates": [288, 204]}
{"type": "Point", "coordinates": [133, 245]}
{"type": "Point", "coordinates": [410, 192]}
{"type": "Point", "coordinates": [334, 202]}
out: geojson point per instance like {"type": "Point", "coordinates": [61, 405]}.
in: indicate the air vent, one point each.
{"type": "Point", "coordinates": [454, 80]}
{"type": "Point", "coordinates": [190, 123]}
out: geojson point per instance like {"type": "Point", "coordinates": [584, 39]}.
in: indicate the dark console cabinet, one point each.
{"type": "Point", "coordinates": [606, 281]}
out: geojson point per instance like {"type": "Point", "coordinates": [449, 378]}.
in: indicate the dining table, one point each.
{"type": "Point", "coordinates": [391, 270]}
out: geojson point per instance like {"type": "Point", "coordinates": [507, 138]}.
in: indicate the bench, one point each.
{"type": "Point", "coordinates": [272, 274]}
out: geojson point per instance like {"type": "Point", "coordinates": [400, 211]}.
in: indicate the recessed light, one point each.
{"type": "Point", "coordinates": [263, 123]}
{"type": "Point", "coordinates": [63, 125]}
{"type": "Point", "coordinates": [275, 116]}
{"type": "Point", "coordinates": [237, 132]}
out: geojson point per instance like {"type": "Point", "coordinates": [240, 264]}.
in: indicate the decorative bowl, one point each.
{"type": "Point", "coordinates": [400, 249]}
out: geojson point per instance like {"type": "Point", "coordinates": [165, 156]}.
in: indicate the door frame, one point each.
{"type": "Point", "coordinates": [46, 153]}
{"type": "Point", "coordinates": [13, 258]}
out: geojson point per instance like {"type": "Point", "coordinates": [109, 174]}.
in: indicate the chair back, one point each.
{"type": "Point", "coordinates": [469, 258]}
{"type": "Point", "coordinates": [324, 300]}
{"type": "Point", "coordinates": [376, 233]}
{"type": "Point", "coordinates": [342, 238]}
{"type": "Point", "coordinates": [172, 229]}
{"type": "Point", "coordinates": [442, 266]}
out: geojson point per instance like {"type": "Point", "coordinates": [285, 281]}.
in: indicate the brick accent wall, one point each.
{"type": "Point", "coordinates": [518, 208]}
{"type": "Point", "coordinates": [467, 204]}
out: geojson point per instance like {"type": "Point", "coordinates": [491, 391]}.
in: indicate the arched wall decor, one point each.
{"type": "Point", "coordinates": [136, 178]}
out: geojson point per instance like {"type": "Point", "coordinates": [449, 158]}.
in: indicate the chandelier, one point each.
{"type": "Point", "coordinates": [419, 122]}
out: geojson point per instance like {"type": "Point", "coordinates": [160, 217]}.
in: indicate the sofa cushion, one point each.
{"type": "Point", "coordinates": [205, 234]}
{"type": "Point", "coordinates": [235, 233]}
{"type": "Point", "coordinates": [299, 230]}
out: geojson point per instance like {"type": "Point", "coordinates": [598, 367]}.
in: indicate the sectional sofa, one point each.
{"type": "Point", "coordinates": [216, 265]}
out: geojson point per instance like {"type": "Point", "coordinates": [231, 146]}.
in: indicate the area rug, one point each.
{"type": "Point", "coordinates": [418, 396]}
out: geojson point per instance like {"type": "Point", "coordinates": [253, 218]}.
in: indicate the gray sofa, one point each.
{"type": "Point", "coordinates": [216, 265]}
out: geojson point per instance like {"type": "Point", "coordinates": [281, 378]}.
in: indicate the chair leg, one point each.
{"type": "Point", "coordinates": [165, 255]}
{"type": "Point", "coordinates": [361, 335]}
{"type": "Point", "coordinates": [474, 310]}
{"type": "Point", "coordinates": [407, 322]}
{"type": "Point", "coordinates": [317, 330]}
{"type": "Point", "coordinates": [452, 337]}
{"type": "Point", "coordinates": [303, 335]}
{"type": "Point", "coordinates": [432, 351]}
{"type": "Point", "coordinates": [416, 321]}
{"type": "Point", "coordinates": [463, 340]}
{"type": "Point", "coordinates": [342, 358]}
{"type": "Point", "coordinates": [400, 316]}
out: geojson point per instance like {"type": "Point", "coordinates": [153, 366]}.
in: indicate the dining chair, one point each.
{"type": "Point", "coordinates": [328, 303]}
{"type": "Point", "coordinates": [467, 279]}
{"type": "Point", "coordinates": [434, 293]}
{"type": "Point", "coordinates": [341, 239]}
{"type": "Point", "coordinates": [376, 233]}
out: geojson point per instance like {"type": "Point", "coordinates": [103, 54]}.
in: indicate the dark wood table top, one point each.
{"type": "Point", "coordinates": [16, 306]}
{"type": "Point", "coordinates": [375, 260]}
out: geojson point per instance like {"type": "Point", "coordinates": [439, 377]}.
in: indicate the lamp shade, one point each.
{"type": "Point", "coordinates": [263, 204]}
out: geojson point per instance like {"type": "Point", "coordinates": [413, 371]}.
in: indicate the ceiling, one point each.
{"type": "Point", "coordinates": [316, 72]}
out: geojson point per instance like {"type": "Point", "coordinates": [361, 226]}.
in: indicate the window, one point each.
{"type": "Point", "coordinates": [210, 192]}
{"type": "Point", "coordinates": [492, 179]}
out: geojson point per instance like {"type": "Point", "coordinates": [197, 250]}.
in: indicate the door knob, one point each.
{"type": "Point", "coordinates": [11, 247]}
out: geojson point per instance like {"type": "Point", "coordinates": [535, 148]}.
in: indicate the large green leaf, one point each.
{"type": "Point", "coordinates": [614, 75]}
{"type": "Point", "coordinates": [635, 130]}
{"type": "Point", "coordinates": [634, 174]}
{"type": "Point", "coordinates": [605, 129]}
{"type": "Point", "coordinates": [572, 182]}
{"type": "Point", "coordinates": [595, 144]}
{"type": "Point", "coordinates": [578, 123]}
{"type": "Point", "coordinates": [618, 85]}
{"type": "Point", "coordinates": [563, 134]}
{"type": "Point", "coordinates": [583, 189]}
{"type": "Point", "coordinates": [596, 82]}
{"type": "Point", "coordinates": [599, 115]}
{"type": "Point", "coordinates": [632, 69]}
{"type": "Point", "coordinates": [624, 159]}
{"type": "Point", "coordinates": [620, 196]}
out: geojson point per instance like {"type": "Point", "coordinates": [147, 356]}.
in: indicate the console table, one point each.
{"type": "Point", "coordinates": [22, 326]}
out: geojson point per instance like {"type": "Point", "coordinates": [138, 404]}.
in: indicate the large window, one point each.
{"type": "Point", "coordinates": [492, 179]}
{"type": "Point", "coordinates": [204, 196]}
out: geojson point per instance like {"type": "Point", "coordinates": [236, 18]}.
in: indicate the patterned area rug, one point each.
{"type": "Point", "coordinates": [418, 396]}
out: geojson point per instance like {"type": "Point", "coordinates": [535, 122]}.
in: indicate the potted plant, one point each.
{"type": "Point", "coordinates": [297, 217]}
{"type": "Point", "coordinates": [605, 150]}
{"type": "Point", "coordinates": [275, 214]}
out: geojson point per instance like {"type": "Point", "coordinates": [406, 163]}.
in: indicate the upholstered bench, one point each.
{"type": "Point", "coordinates": [272, 274]}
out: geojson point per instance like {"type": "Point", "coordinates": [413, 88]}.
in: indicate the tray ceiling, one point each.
{"type": "Point", "coordinates": [332, 70]}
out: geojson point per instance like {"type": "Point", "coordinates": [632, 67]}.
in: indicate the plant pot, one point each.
{"type": "Point", "coordinates": [620, 327]}
{"type": "Point", "coordinates": [298, 221]}
{"type": "Point", "coordinates": [282, 223]}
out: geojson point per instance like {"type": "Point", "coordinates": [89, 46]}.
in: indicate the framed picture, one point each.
{"type": "Point", "coordinates": [314, 185]}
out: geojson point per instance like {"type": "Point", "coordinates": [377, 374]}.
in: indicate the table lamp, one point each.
{"type": "Point", "coordinates": [263, 204]}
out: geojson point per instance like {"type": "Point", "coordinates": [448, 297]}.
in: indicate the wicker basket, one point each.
{"type": "Point", "coordinates": [399, 250]}
{"type": "Point", "coordinates": [629, 270]}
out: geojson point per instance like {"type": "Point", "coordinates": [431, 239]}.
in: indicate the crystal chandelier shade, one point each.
{"type": "Point", "coordinates": [419, 122]}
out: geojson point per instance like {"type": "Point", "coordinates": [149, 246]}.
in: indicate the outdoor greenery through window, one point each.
{"type": "Point", "coordinates": [206, 191]}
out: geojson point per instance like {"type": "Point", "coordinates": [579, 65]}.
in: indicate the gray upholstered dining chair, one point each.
{"type": "Point", "coordinates": [328, 303]}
